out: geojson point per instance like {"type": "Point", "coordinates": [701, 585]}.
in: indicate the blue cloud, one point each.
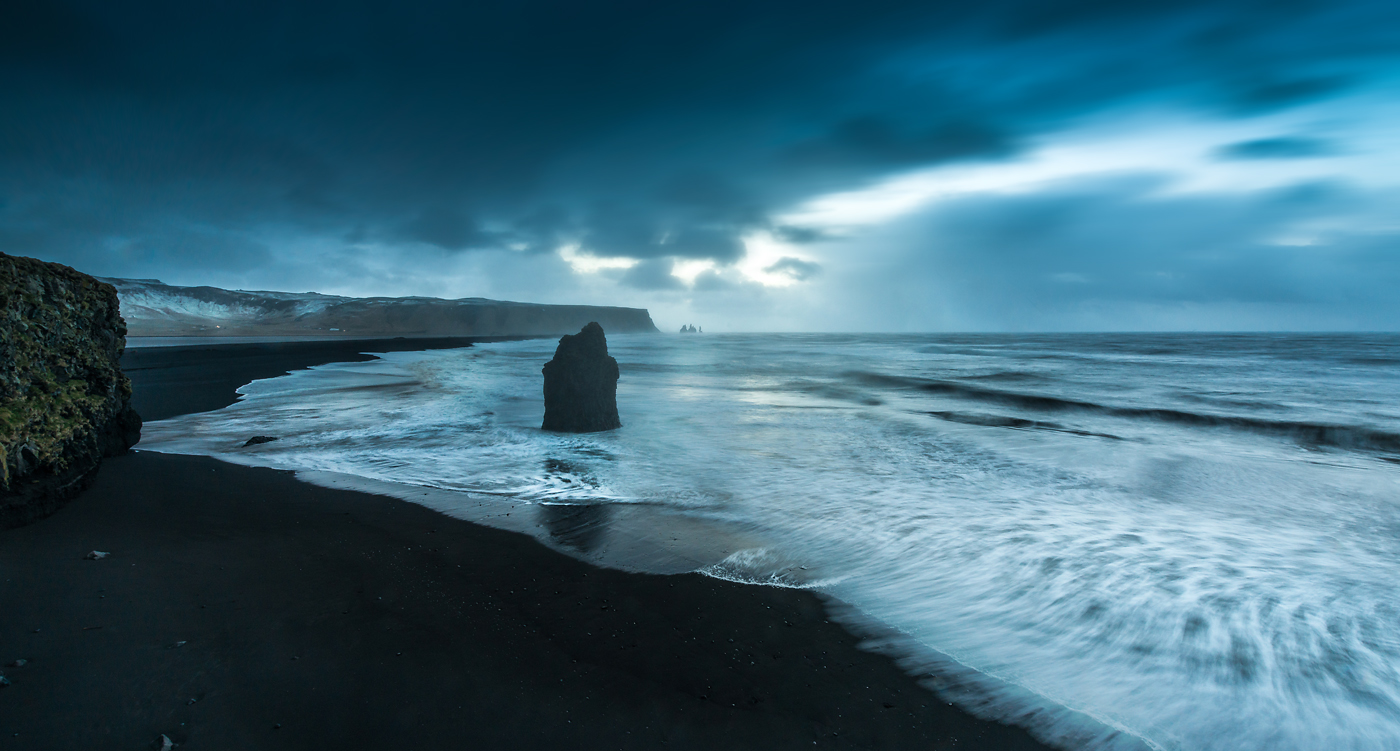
{"type": "Point", "coordinates": [1037, 261]}
{"type": "Point", "coordinates": [795, 267]}
{"type": "Point", "coordinates": [646, 130]}
{"type": "Point", "coordinates": [653, 274]}
{"type": "Point", "coordinates": [1295, 147]}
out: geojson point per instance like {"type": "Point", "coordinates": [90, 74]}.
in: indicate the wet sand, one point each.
{"type": "Point", "coordinates": [240, 609]}
{"type": "Point", "coordinates": [170, 381]}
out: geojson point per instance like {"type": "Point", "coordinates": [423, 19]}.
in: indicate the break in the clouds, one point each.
{"type": "Point", "coordinates": [881, 166]}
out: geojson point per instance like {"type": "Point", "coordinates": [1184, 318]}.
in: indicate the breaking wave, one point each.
{"type": "Point", "coordinates": [1169, 542]}
{"type": "Point", "coordinates": [1353, 437]}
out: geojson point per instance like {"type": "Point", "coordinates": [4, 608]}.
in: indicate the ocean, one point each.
{"type": "Point", "coordinates": [1172, 541]}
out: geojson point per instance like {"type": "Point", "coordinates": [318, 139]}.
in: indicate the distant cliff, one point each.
{"type": "Point", "coordinates": [64, 401]}
{"type": "Point", "coordinates": [155, 309]}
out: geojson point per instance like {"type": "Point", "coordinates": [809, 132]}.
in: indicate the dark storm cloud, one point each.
{"type": "Point", "coordinates": [652, 274]}
{"type": "Point", "coordinates": [447, 229]}
{"type": "Point", "coordinates": [869, 142]}
{"type": "Point", "coordinates": [641, 129]}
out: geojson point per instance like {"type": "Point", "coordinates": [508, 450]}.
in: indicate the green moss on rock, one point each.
{"type": "Point", "coordinates": [64, 402]}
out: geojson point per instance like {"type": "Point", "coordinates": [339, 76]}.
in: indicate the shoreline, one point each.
{"type": "Point", "coordinates": [362, 621]}
{"type": "Point", "coordinates": [171, 381]}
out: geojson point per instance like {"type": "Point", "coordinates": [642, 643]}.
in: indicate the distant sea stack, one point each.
{"type": "Point", "coordinates": [64, 401]}
{"type": "Point", "coordinates": [155, 309]}
{"type": "Point", "coordinates": [580, 384]}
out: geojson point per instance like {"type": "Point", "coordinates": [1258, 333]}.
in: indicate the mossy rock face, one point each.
{"type": "Point", "coordinates": [64, 401]}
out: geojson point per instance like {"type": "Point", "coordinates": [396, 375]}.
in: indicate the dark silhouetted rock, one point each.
{"type": "Point", "coordinates": [580, 384]}
{"type": "Point", "coordinates": [255, 440]}
{"type": "Point", "coordinates": [64, 401]}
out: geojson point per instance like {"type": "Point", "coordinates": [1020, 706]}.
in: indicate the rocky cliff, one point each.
{"type": "Point", "coordinates": [64, 401]}
{"type": "Point", "coordinates": [155, 309]}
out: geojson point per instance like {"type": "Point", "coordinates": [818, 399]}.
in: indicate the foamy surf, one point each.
{"type": "Point", "coordinates": [1075, 557]}
{"type": "Point", "coordinates": [767, 568]}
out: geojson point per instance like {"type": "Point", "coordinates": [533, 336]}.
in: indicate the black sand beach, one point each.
{"type": "Point", "coordinates": [170, 381]}
{"type": "Point", "coordinates": [242, 609]}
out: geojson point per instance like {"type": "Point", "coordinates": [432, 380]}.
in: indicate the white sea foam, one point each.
{"type": "Point", "coordinates": [768, 568]}
{"type": "Point", "coordinates": [1159, 542]}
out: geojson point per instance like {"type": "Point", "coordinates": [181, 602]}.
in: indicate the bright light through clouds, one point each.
{"type": "Point", "coordinates": [686, 271]}
{"type": "Point", "coordinates": [587, 263]}
{"type": "Point", "coordinates": [902, 165]}
{"type": "Point", "coordinates": [1184, 151]}
{"type": "Point", "coordinates": [1163, 157]}
{"type": "Point", "coordinates": [762, 252]}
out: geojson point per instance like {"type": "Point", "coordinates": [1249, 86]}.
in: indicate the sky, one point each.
{"type": "Point", "coordinates": [1005, 165]}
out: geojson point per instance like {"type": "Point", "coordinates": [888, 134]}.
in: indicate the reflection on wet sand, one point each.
{"type": "Point", "coordinates": [579, 527]}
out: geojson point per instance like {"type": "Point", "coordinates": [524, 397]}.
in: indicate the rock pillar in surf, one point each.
{"type": "Point", "coordinates": [580, 384]}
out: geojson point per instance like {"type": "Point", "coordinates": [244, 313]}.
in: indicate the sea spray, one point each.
{"type": "Point", "coordinates": [1106, 574]}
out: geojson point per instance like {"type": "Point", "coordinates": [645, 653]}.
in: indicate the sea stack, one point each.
{"type": "Point", "coordinates": [64, 401]}
{"type": "Point", "coordinates": [580, 384]}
